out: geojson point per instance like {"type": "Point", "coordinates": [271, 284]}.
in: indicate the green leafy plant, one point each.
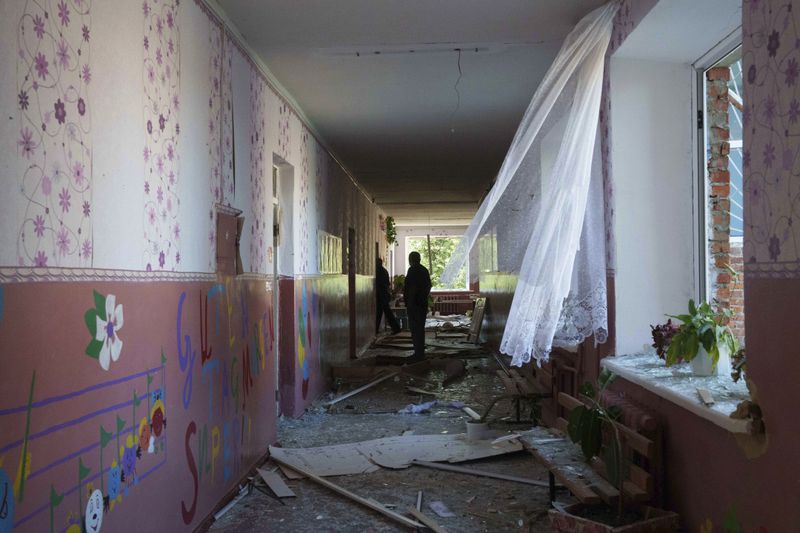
{"type": "Point", "coordinates": [391, 231]}
{"type": "Point", "coordinates": [398, 282]}
{"type": "Point", "coordinates": [702, 326]}
{"type": "Point", "coordinates": [587, 424]}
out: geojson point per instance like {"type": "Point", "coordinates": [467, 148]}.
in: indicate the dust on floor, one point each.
{"type": "Point", "coordinates": [479, 504]}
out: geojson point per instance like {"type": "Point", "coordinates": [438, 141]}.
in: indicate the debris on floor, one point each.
{"type": "Point", "coordinates": [362, 458]}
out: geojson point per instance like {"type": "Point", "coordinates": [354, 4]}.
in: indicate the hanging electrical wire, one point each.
{"type": "Point", "coordinates": [458, 93]}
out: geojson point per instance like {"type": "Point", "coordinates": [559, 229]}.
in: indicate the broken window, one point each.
{"type": "Point", "coordinates": [441, 248]}
{"type": "Point", "coordinates": [724, 227]}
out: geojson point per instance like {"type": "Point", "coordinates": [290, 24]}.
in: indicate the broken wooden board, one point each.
{"type": "Point", "coordinates": [481, 473]}
{"type": "Point", "coordinates": [372, 504]}
{"type": "Point", "coordinates": [336, 460]}
{"type": "Point", "coordinates": [399, 452]}
{"type": "Point", "coordinates": [276, 484]}
{"type": "Point", "coordinates": [362, 388]}
{"type": "Point", "coordinates": [390, 452]}
{"type": "Point", "coordinates": [396, 345]}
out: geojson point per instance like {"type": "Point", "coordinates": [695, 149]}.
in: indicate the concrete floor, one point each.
{"type": "Point", "coordinates": [480, 504]}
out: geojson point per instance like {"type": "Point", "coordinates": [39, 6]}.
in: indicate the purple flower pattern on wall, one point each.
{"type": "Point", "coordinates": [260, 174]}
{"type": "Point", "coordinates": [771, 174]}
{"type": "Point", "coordinates": [54, 142]}
{"type": "Point", "coordinates": [303, 213]}
{"type": "Point", "coordinates": [284, 133]}
{"type": "Point", "coordinates": [161, 75]}
{"type": "Point", "coordinates": [220, 125]}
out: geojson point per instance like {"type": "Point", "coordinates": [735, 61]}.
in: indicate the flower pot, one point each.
{"type": "Point", "coordinates": [703, 366]}
{"type": "Point", "coordinates": [580, 518]}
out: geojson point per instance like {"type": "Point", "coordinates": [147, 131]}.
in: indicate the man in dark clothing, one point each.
{"type": "Point", "coordinates": [415, 293]}
{"type": "Point", "coordinates": [383, 294]}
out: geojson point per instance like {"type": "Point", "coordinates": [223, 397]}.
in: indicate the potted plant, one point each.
{"type": "Point", "coordinates": [588, 424]}
{"type": "Point", "coordinates": [703, 339]}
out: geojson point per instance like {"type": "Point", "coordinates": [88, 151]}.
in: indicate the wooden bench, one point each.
{"type": "Point", "coordinates": [589, 482]}
{"type": "Point", "coordinates": [520, 386]}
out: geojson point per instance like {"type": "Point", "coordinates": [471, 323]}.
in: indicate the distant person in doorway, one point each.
{"type": "Point", "coordinates": [415, 293]}
{"type": "Point", "coordinates": [383, 294]}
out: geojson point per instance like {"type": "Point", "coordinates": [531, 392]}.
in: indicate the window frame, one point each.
{"type": "Point", "coordinates": [466, 288]}
{"type": "Point", "coordinates": [700, 189]}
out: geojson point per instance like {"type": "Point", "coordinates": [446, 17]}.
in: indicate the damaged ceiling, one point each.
{"type": "Point", "coordinates": [379, 80]}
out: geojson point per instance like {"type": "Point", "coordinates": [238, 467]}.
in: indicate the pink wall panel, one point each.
{"type": "Point", "coordinates": [178, 417]}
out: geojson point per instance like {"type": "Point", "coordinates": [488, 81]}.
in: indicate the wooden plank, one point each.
{"type": "Point", "coordinates": [355, 497]}
{"type": "Point", "coordinates": [481, 473]}
{"type": "Point", "coordinates": [561, 425]}
{"type": "Point", "coordinates": [362, 388]}
{"type": "Point", "coordinates": [422, 391]}
{"type": "Point", "coordinates": [276, 484]}
{"type": "Point", "coordinates": [425, 519]}
{"type": "Point", "coordinates": [581, 491]}
{"type": "Point", "coordinates": [633, 492]}
{"type": "Point", "coordinates": [472, 414]}
{"type": "Point", "coordinates": [419, 501]}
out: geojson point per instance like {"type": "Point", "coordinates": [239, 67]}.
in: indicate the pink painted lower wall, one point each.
{"type": "Point", "coordinates": [174, 405]}
{"type": "Point", "coordinates": [315, 333]}
{"type": "Point", "coordinates": [176, 402]}
{"type": "Point", "coordinates": [709, 480]}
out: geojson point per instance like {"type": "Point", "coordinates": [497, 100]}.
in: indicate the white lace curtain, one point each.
{"type": "Point", "coordinates": [544, 213]}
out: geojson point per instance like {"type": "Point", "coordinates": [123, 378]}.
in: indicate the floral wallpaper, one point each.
{"type": "Point", "coordinates": [54, 138]}
{"type": "Point", "coordinates": [284, 133]}
{"type": "Point", "coordinates": [771, 64]}
{"type": "Point", "coordinates": [260, 174]}
{"type": "Point", "coordinates": [303, 203]}
{"type": "Point", "coordinates": [161, 42]}
{"type": "Point", "coordinates": [629, 15]}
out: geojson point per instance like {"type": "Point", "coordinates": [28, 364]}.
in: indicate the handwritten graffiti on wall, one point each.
{"type": "Point", "coordinates": [306, 321]}
{"type": "Point", "coordinates": [118, 458]}
{"type": "Point", "coordinates": [214, 448]}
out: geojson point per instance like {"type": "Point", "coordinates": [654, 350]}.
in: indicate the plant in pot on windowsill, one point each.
{"type": "Point", "coordinates": [703, 339]}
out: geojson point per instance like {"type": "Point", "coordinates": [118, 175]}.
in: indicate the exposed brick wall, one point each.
{"type": "Point", "coordinates": [726, 286]}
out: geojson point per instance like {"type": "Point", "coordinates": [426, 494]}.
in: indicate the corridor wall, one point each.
{"type": "Point", "coordinates": [135, 377]}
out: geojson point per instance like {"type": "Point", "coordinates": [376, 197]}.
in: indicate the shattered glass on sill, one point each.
{"type": "Point", "coordinates": [678, 385]}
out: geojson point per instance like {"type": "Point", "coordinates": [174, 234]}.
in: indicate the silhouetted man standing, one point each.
{"type": "Point", "coordinates": [415, 293]}
{"type": "Point", "coordinates": [383, 294]}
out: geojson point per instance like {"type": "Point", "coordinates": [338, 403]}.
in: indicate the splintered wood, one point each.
{"type": "Point", "coordinates": [390, 452]}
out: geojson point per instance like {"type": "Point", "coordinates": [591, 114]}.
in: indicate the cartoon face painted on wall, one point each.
{"type": "Point", "coordinates": [94, 512]}
{"type": "Point", "coordinates": [158, 421]}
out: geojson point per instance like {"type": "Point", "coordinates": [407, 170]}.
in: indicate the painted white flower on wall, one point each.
{"type": "Point", "coordinates": [107, 332]}
{"type": "Point", "coordinates": [104, 322]}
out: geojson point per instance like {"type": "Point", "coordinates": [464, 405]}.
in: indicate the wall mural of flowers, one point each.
{"type": "Point", "coordinates": [161, 76]}
{"type": "Point", "coordinates": [771, 159]}
{"type": "Point", "coordinates": [104, 321]}
{"type": "Point", "coordinates": [54, 141]}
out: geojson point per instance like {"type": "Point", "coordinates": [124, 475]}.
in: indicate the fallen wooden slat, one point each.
{"type": "Point", "coordinates": [355, 497]}
{"type": "Point", "coordinates": [422, 391]}
{"type": "Point", "coordinates": [425, 519]}
{"type": "Point", "coordinates": [506, 437]}
{"type": "Point", "coordinates": [577, 487]}
{"type": "Point", "coordinates": [419, 501]}
{"type": "Point", "coordinates": [472, 414]}
{"type": "Point", "coordinates": [276, 484]}
{"type": "Point", "coordinates": [474, 472]}
{"type": "Point", "coordinates": [362, 388]}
